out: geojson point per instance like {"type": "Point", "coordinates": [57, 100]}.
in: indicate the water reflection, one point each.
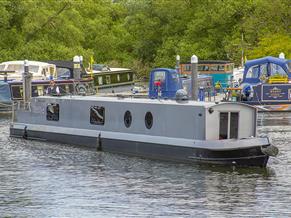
{"type": "Point", "coordinates": [51, 180]}
{"type": "Point", "coordinates": [274, 119]}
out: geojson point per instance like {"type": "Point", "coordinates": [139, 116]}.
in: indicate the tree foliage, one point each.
{"type": "Point", "coordinates": [142, 34]}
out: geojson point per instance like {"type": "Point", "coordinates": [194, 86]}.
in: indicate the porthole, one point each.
{"type": "Point", "coordinates": [148, 120]}
{"type": "Point", "coordinates": [127, 119]}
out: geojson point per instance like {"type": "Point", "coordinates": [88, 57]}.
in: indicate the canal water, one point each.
{"type": "Point", "coordinates": [39, 179]}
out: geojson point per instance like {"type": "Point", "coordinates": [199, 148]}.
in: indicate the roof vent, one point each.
{"type": "Point", "coordinates": [181, 95]}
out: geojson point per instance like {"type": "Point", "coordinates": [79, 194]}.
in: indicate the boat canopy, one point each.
{"type": "Point", "coordinates": [257, 70]}
{"type": "Point", "coordinates": [5, 95]}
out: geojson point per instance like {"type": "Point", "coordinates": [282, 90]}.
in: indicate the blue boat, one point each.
{"type": "Point", "coordinates": [165, 83]}
{"type": "Point", "coordinates": [267, 81]}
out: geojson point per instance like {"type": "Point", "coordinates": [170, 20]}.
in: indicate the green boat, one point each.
{"type": "Point", "coordinates": [107, 77]}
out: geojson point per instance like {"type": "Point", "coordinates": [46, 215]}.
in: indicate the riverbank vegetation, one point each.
{"type": "Point", "coordinates": [142, 34]}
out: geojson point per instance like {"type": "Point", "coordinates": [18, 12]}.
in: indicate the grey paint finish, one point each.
{"type": "Point", "coordinates": [190, 120]}
{"type": "Point", "coordinates": [166, 120]}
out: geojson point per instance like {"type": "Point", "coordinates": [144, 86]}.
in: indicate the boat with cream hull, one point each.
{"type": "Point", "coordinates": [13, 70]}
{"type": "Point", "coordinates": [188, 132]}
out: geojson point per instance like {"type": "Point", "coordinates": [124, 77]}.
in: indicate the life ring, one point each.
{"type": "Point", "coordinates": [81, 89]}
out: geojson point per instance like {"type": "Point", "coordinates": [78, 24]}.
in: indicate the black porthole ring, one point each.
{"type": "Point", "coordinates": [148, 120]}
{"type": "Point", "coordinates": [127, 119]}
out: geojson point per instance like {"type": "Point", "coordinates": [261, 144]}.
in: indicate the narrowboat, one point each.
{"type": "Point", "coordinates": [62, 72]}
{"type": "Point", "coordinates": [220, 70]}
{"type": "Point", "coordinates": [65, 69]}
{"type": "Point", "coordinates": [12, 91]}
{"type": "Point", "coordinates": [174, 130]}
{"type": "Point", "coordinates": [106, 77]}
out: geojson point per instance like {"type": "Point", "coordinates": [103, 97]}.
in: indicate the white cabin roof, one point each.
{"type": "Point", "coordinates": [38, 63]}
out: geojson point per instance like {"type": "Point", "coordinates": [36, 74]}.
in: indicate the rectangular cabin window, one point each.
{"type": "Point", "coordinates": [67, 88]}
{"type": "Point", "coordinates": [17, 92]}
{"type": "Point", "coordinates": [97, 115]}
{"type": "Point", "coordinates": [213, 67]}
{"type": "Point", "coordinates": [128, 77]}
{"type": "Point", "coordinates": [34, 92]}
{"type": "Point", "coordinates": [200, 68]}
{"type": "Point", "coordinates": [51, 71]}
{"type": "Point", "coordinates": [100, 80]}
{"type": "Point", "coordinates": [223, 125]}
{"type": "Point", "coordinates": [187, 67]}
{"type": "Point", "coordinates": [228, 125]}
{"type": "Point", "coordinates": [62, 88]}
{"type": "Point", "coordinates": [233, 132]}
{"type": "Point", "coordinates": [221, 67]}
{"type": "Point", "coordinates": [108, 79]}
{"type": "Point", "coordinates": [53, 112]}
{"type": "Point", "coordinates": [71, 88]}
{"type": "Point", "coordinates": [40, 90]}
{"type": "Point", "coordinates": [160, 76]}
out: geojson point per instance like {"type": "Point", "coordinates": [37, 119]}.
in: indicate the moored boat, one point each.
{"type": "Point", "coordinates": [165, 82]}
{"type": "Point", "coordinates": [221, 71]}
{"type": "Point", "coordinates": [182, 131]}
{"type": "Point", "coordinates": [106, 77]}
{"type": "Point", "coordinates": [267, 84]}
{"type": "Point", "coordinates": [12, 70]}
{"type": "Point", "coordinates": [42, 74]}
{"type": "Point", "coordinates": [12, 91]}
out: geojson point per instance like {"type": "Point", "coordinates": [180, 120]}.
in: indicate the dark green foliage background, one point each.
{"type": "Point", "coordinates": [141, 34]}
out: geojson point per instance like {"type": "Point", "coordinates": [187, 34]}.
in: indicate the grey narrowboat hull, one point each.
{"type": "Point", "coordinates": [244, 156]}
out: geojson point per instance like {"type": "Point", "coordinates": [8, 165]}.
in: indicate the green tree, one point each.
{"type": "Point", "coordinates": [272, 45]}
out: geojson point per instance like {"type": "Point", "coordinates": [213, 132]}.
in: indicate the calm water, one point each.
{"type": "Point", "coordinates": [40, 179]}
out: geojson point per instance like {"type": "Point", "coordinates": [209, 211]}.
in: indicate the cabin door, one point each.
{"type": "Point", "coordinates": [228, 125]}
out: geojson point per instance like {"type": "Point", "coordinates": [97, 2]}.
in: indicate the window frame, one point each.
{"type": "Point", "coordinates": [53, 116]}
{"type": "Point", "coordinates": [252, 73]}
{"type": "Point", "coordinates": [94, 121]}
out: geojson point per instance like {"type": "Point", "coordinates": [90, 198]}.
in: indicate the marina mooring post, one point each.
{"type": "Point", "coordinates": [282, 55]}
{"type": "Point", "coordinates": [194, 77]}
{"type": "Point", "coordinates": [27, 76]}
{"type": "Point", "coordinates": [178, 64]}
{"type": "Point", "coordinates": [77, 67]}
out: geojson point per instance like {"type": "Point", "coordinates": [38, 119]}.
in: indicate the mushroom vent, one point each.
{"type": "Point", "coordinates": [181, 95]}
